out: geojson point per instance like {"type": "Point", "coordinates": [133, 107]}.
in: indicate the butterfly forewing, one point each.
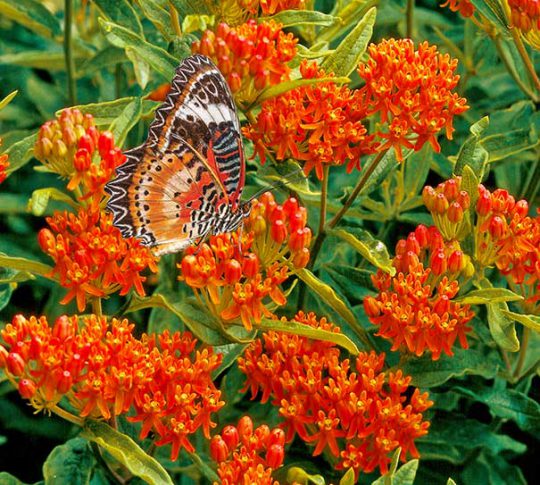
{"type": "Point", "coordinates": [172, 189]}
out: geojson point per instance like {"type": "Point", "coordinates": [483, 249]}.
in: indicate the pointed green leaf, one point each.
{"type": "Point", "coordinates": [472, 152]}
{"type": "Point", "coordinates": [309, 332]}
{"type": "Point", "coordinates": [129, 117]}
{"type": "Point", "coordinates": [8, 479]}
{"type": "Point", "coordinates": [494, 12]}
{"type": "Point", "coordinates": [5, 295]}
{"type": "Point", "coordinates": [344, 60]}
{"type": "Point", "coordinates": [22, 264]}
{"type": "Point", "coordinates": [428, 373]}
{"type": "Point", "coordinates": [140, 67]}
{"type": "Point", "coordinates": [159, 59]}
{"type": "Point", "coordinates": [349, 478]}
{"type": "Point", "coordinates": [289, 18]}
{"type": "Point", "coordinates": [127, 452]}
{"type": "Point", "coordinates": [122, 13]}
{"type": "Point", "coordinates": [72, 462]}
{"type": "Point", "coordinates": [20, 153]}
{"type": "Point", "coordinates": [186, 7]}
{"type": "Point", "coordinates": [530, 321]}
{"type": "Point", "coordinates": [39, 201]}
{"type": "Point", "coordinates": [364, 243]}
{"type": "Point", "coordinates": [194, 23]}
{"type": "Point", "coordinates": [7, 99]}
{"type": "Point", "coordinates": [161, 18]}
{"type": "Point", "coordinates": [488, 295]}
{"type": "Point", "coordinates": [330, 298]}
{"type": "Point", "coordinates": [52, 61]}
{"type": "Point", "coordinates": [32, 14]}
{"type": "Point", "coordinates": [469, 184]}
{"type": "Point", "coordinates": [450, 482]}
{"type": "Point", "coordinates": [502, 327]}
{"type": "Point", "coordinates": [278, 89]}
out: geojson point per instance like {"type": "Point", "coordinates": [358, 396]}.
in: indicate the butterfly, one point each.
{"type": "Point", "coordinates": [185, 181]}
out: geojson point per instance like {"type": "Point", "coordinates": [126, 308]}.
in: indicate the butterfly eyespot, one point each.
{"type": "Point", "coordinates": [158, 168]}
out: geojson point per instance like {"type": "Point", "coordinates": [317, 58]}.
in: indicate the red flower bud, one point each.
{"type": "Point", "coordinates": [275, 456]}
{"type": "Point", "coordinates": [438, 263]}
{"type": "Point", "coordinates": [105, 143]}
{"type": "Point", "coordinates": [218, 449]}
{"type": "Point", "coordinates": [412, 245]}
{"type": "Point", "coordinates": [15, 364]}
{"type": "Point", "coordinates": [65, 382]}
{"type": "Point", "coordinates": [497, 227]}
{"type": "Point", "coordinates": [421, 233]}
{"type": "Point", "coordinates": [278, 231]}
{"type": "Point", "coordinates": [456, 262]}
{"type": "Point", "coordinates": [522, 207]}
{"type": "Point", "coordinates": [189, 266]}
{"type": "Point", "coordinates": [87, 143]}
{"type": "Point", "coordinates": [27, 388]}
{"type": "Point", "coordinates": [442, 305]}
{"type": "Point", "coordinates": [301, 258]}
{"type": "Point", "coordinates": [250, 265]}
{"type": "Point", "coordinates": [455, 213]}
{"type": "Point", "coordinates": [235, 81]}
{"type": "Point", "coordinates": [233, 272]}
{"type": "Point", "coordinates": [46, 240]}
{"type": "Point", "coordinates": [371, 307]}
{"type": "Point", "coordinates": [484, 204]}
{"type": "Point", "coordinates": [62, 328]}
{"type": "Point", "coordinates": [451, 189]}
{"type": "Point", "coordinates": [245, 427]}
{"type": "Point", "coordinates": [276, 437]}
{"type": "Point", "coordinates": [230, 436]}
{"type": "Point", "coordinates": [82, 160]}
{"type": "Point", "coordinates": [464, 200]}
{"type": "Point", "coordinates": [290, 206]}
{"type": "Point", "coordinates": [440, 204]}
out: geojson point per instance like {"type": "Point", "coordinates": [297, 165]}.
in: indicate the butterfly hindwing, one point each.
{"type": "Point", "coordinates": [172, 189]}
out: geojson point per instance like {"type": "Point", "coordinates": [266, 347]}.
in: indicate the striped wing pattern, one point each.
{"type": "Point", "coordinates": [185, 181]}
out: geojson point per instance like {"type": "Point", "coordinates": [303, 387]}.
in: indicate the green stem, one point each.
{"type": "Point", "coordinates": [522, 353]}
{"type": "Point", "coordinates": [324, 199]}
{"type": "Point", "coordinates": [67, 416]}
{"type": "Point", "coordinates": [511, 71]}
{"type": "Point", "coordinates": [96, 306]}
{"type": "Point", "coordinates": [68, 52]}
{"type": "Point", "coordinates": [409, 13]}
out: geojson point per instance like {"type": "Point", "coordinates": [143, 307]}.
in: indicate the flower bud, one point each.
{"type": "Point", "coordinates": [250, 265]}
{"type": "Point", "coordinates": [484, 204]}
{"type": "Point", "coordinates": [276, 437]}
{"type": "Point", "coordinates": [245, 427]}
{"type": "Point", "coordinates": [442, 305]}
{"type": "Point", "coordinates": [105, 143]}
{"type": "Point", "coordinates": [82, 160]}
{"type": "Point", "coordinates": [301, 258]}
{"type": "Point", "coordinates": [522, 207]}
{"type": "Point", "coordinates": [230, 436]}
{"type": "Point", "coordinates": [27, 388]}
{"type": "Point", "coordinates": [62, 328]}
{"type": "Point", "coordinates": [65, 382]}
{"type": "Point", "coordinates": [218, 449]}
{"type": "Point", "coordinates": [278, 231]}
{"type": "Point", "coordinates": [87, 143]}
{"type": "Point", "coordinates": [371, 307]}
{"type": "Point", "coordinates": [440, 204]}
{"type": "Point", "coordinates": [411, 244]}
{"type": "Point", "coordinates": [235, 81]}
{"type": "Point", "coordinates": [455, 213]}
{"type": "Point", "coordinates": [428, 196]}
{"type": "Point", "coordinates": [438, 263]}
{"type": "Point", "coordinates": [301, 238]}
{"type": "Point", "coordinates": [456, 262]}
{"type": "Point", "coordinates": [15, 364]}
{"type": "Point", "coordinates": [421, 234]}
{"type": "Point", "coordinates": [451, 189]}
{"type": "Point", "coordinates": [233, 272]}
{"type": "Point", "coordinates": [189, 266]}
{"type": "Point", "coordinates": [275, 456]}
{"type": "Point", "coordinates": [46, 240]}
{"type": "Point", "coordinates": [464, 199]}
{"type": "Point", "coordinates": [497, 227]}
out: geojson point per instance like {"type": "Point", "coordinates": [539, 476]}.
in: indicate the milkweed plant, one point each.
{"type": "Point", "coordinates": [375, 316]}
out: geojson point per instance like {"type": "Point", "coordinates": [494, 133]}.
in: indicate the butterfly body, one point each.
{"type": "Point", "coordinates": [186, 180]}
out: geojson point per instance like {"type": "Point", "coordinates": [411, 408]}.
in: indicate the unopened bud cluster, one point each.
{"type": "Point", "coordinates": [248, 455]}
{"type": "Point", "coordinates": [251, 56]}
{"type": "Point", "coordinates": [240, 273]}
{"type": "Point", "coordinates": [448, 205]}
{"type": "Point", "coordinates": [58, 140]}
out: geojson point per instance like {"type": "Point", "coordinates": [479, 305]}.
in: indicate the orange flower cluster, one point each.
{"type": "Point", "coordinates": [414, 309]}
{"type": "Point", "coordinates": [448, 205]}
{"type": "Point", "coordinates": [237, 273]}
{"type": "Point", "coordinates": [4, 164]}
{"type": "Point", "coordinates": [91, 257]}
{"type": "Point", "coordinates": [103, 370]}
{"type": "Point", "coordinates": [319, 124]}
{"type": "Point", "coordinates": [411, 93]}
{"type": "Point", "coordinates": [248, 456]}
{"type": "Point", "coordinates": [464, 7]}
{"type": "Point", "coordinates": [251, 56]}
{"type": "Point", "coordinates": [525, 15]}
{"type": "Point", "coordinates": [58, 140]}
{"type": "Point", "coordinates": [508, 237]}
{"type": "Point", "coordinates": [271, 7]}
{"type": "Point", "coordinates": [360, 414]}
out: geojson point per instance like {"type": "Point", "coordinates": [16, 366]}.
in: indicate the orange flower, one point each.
{"type": "Point", "coordinates": [91, 257]}
{"type": "Point", "coordinates": [246, 455]}
{"type": "Point", "coordinates": [239, 274]}
{"type": "Point", "coordinates": [464, 7]}
{"type": "Point", "coordinates": [103, 370]}
{"type": "Point", "coordinates": [251, 56]}
{"type": "Point", "coordinates": [411, 93]}
{"type": "Point", "coordinates": [4, 164]}
{"type": "Point", "coordinates": [525, 15]}
{"type": "Point", "coordinates": [360, 414]}
{"type": "Point", "coordinates": [414, 309]}
{"type": "Point", "coordinates": [271, 7]}
{"type": "Point", "coordinates": [320, 124]}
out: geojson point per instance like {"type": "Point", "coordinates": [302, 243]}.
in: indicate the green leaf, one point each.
{"type": "Point", "coordinates": [121, 12]}
{"type": "Point", "coordinates": [344, 60]}
{"type": "Point", "coordinates": [127, 452]}
{"type": "Point", "coordinates": [470, 434]}
{"type": "Point", "coordinates": [7, 99]}
{"type": "Point", "coordinates": [161, 61]}
{"type": "Point", "coordinates": [106, 57]}
{"type": "Point", "coordinates": [350, 13]}
{"type": "Point", "coordinates": [129, 117]}
{"type": "Point", "coordinates": [428, 373]}
{"type": "Point", "coordinates": [330, 298]}
{"type": "Point", "coordinates": [5, 296]}
{"type": "Point", "coordinates": [105, 113]}
{"type": "Point", "coordinates": [160, 17]}
{"type": "Point", "coordinates": [349, 478]}
{"type": "Point", "coordinates": [530, 321]}
{"type": "Point", "coordinates": [488, 295]}
{"type": "Point", "coordinates": [194, 23]}
{"type": "Point", "coordinates": [508, 404]}
{"type": "Point", "coordinates": [364, 243]}
{"type": "Point", "coordinates": [8, 479]}
{"type": "Point", "coordinates": [492, 470]}
{"type": "Point", "coordinates": [472, 152]}
{"type": "Point", "coordinates": [200, 323]}
{"type": "Point", "coordinates": [140, 67]}
{"type": "Point", "coordinates": [39, 201]}
{"type": "Point", "coordinates": [278, 89]}
{"type": "Point", "coordinates": [502, 327]}
{"type": "Point", "coordinates": [72, 462]}
{"type": "Point", "coordinates": [52, 61]}
{"type": "Point", "coordinates": [21, 152]}
{"type": "Point", "coordinates": [289, 18]}
{"type": "Point", "coordinates": [230, 353]}
{"type": "Point", "coordinates": [469, 184]}
{"type": "Point", "coordinates": [186, 7]}
{"type": "Point", "coordinates": [493, 11]}
{"type": "Point", "coordinates": [22, 264]}
{"type": "Point", "coordinates": [32, 14]}
{"type": "Point", "coordinates": [8, 275]}
{"type": "Point", "coordinates": [309, 332]}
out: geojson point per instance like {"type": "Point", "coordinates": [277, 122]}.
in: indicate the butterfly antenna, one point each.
{"type": "Point", "coordinates": [288, 179]}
